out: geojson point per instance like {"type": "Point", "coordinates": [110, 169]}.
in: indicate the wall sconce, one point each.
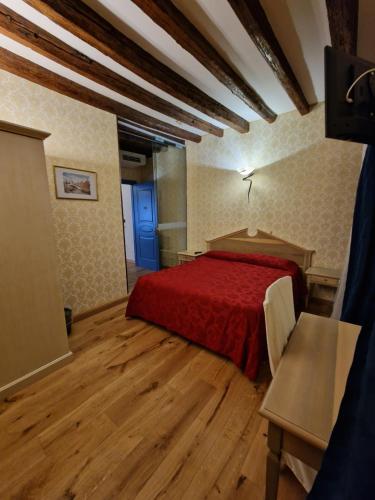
{"type": "Point", "coordinates": [247, 173]}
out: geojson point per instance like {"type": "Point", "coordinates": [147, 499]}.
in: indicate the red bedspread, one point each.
{"type": "Point", "coordinates": [216, 301]}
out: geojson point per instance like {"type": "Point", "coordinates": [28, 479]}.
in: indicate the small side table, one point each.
{"type": "Point", "coordinates": [321, 276]}
{"type": "Point", "coordinates": [187, 256]}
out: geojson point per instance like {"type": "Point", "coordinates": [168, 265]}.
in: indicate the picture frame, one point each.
{"type": "Point", "coordinates": [75, 184]}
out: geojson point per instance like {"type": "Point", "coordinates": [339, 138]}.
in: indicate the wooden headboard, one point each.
{"type": "Point", "coordinates": [262, 242]}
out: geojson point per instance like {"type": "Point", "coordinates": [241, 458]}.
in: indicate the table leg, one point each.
{"type": "Point", "coordinates": [309, 291]}
{"type": "Point", "coordinates": [273, 461]}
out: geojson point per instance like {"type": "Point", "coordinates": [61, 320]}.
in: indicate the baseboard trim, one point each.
{"type": "Point", "coordinates": [30, 377]}
{"type": "Point", "coordinates": [98, 309]}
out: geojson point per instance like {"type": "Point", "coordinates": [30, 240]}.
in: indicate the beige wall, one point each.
{"type": "Point", "coordinates": [131, 174]}
{"type": "Point", "coordinates": [140, 174]}
{"type": "Point", "coordinates": [88, 233]}
{"type": "Point", "coordinates": [304, 191]}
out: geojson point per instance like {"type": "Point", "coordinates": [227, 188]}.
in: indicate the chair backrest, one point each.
{"type": "Point", "coordinates": [280, 318]}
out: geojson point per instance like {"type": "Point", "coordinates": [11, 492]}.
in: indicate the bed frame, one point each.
{"type": "Point", "coordinates": [262, 242]}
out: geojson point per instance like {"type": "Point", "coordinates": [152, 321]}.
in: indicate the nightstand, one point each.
{"type": "Point", "coordinates": [321, 276]}
{"type": "Point", "coordinates": [187, 256]}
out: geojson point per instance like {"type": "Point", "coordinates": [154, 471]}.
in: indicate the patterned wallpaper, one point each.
{"type": "Point", "coordinates": [303, 191]}
{"type": "Point", "coordinates": [88, 233]}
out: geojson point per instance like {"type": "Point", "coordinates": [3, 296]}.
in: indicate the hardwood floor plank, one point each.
{"type": "Point", "coordinates": [70, 436]}
{"type": "Point", "coordinates": [100, 466]}
{"type": "Point", "coordinates": [133, 273]}
{"type": "Point", "coordinates": [31, 485]}
{"type": "Point", "coordinates": [203, 368]}
{"type": "Point", "coordinates": [141, 414]}
{"type": "Point", "coordinates": [252, 468]}
{"type": "Point", "coordinates": [233, 479]}
{"type": "Point", "coordinates": [154, 382]}
{"type": "Point", "coordinates": [68, 393]}
{"type": "Point", "coordinates": [69, 474]}
{"type": "Point", "coordinates": [217, 452]}
{"type": "Point", "coordinates": [131, 351]}
{"type": "Point", "coordinates": [32, 455]}
{"type": "Point", "coordinates": [98, 404]}
{"type": "Point", "coordinates": [144, 460]}
{"type": "Point", "coordinates": [31, 391]}
{"type": "Point", "coordinates": [70, 453]}
{"type": "Point", "coordinates": [177, 459]}
{"type": "Point", "coordinates": [28, 421]}
{"type": "Point", "coordinates": [214, 420]}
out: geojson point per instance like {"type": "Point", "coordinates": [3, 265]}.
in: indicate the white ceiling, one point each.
{"type": "Point", "coordinates": [300, 25]}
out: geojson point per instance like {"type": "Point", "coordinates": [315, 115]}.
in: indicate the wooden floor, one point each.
{"type": "Point", "coordinates": [138, 414]}
{"type": "Point", "coordinates": [133, 273]}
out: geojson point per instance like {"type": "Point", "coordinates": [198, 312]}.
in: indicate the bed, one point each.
{"type": "Point", "coordinates": [217, 299]}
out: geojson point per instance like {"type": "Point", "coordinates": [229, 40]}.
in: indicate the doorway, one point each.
{"type": "Point", "coordinates": [134, 267]}
{"type": "Point", "coordinates": [137, 169]}
{"type": "Point", "coordinates": [153, 191]}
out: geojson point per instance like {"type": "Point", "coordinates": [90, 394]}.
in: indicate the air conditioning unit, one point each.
{"type": "Point", "coordinates": [132, 160]}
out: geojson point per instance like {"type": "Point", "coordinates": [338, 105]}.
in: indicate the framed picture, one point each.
{"type": "Point", "coordinates": [73, 184]}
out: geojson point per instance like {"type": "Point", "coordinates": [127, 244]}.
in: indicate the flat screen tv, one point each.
{"type": "Point", "coordinates": [349, 116]}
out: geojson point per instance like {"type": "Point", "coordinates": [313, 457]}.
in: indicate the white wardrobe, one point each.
{"type": "Point", "coordinates": [33, 338]}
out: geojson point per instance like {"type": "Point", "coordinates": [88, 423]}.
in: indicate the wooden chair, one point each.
{"type": "Point", "coordinates": [280, 320]}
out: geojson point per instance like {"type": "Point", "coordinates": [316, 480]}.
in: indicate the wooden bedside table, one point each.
{"type": "Point", "coordinates": [321, 276]}
{"type": "Point", "coordinates": [187, 256]}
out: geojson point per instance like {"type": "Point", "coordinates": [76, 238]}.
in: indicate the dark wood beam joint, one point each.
{"type": "Point", "coordinates": [254, 20]}
{"type": "Point", "coordinates": [83, 22]}
{"type": "Point", "coordinates": [26, 69]}
{"type": "Point", "coordinates": [343, 24]}
{"type": "Point", "coordinates": [172, 20]}
{"type": "Point", "coordinates": [24, 31]}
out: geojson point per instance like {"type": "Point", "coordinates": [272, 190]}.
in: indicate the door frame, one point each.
{"type": "Point", "coordinates": [122, 181]}
{"type": "Point", "coordinates": [130, 183]}
{"type": "Point", "coordinates": [123, 229]}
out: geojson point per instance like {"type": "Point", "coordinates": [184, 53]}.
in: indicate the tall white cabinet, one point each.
{"type": "Point", "coordinates": [33, 338]}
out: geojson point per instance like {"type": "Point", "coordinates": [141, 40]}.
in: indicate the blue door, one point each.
{"type": "Point", "coordinates": [145, 226]}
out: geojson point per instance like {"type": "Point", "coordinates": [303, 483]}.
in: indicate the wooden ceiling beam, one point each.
{"type": "Point", "coordinates": [172, 20]}
{"type": "Point", "coordinates": [124, 124]}
{"type": "Point", "coordinates": [127, 142]}
{"type": "Point", "coordinates": [125, 137]}
{"type": "Point", "coordinates": [83, 22]}
{"type": "Point", "coordinates": [254, 20]}
{"type": "Point", "coordinates": [27, 33]}
{"type": "Point", "coordinates": [26, 69]}
{"type": "Point", "coordinates": [343, 24]}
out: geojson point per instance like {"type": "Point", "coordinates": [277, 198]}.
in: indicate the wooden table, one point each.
{"type": "Point", "coordinates": [303, 400]}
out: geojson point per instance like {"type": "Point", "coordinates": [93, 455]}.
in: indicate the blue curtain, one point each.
{"type": "Point", "coordinates": [348, 468]}
{"type": "Point", "coordinates": [359, 297]}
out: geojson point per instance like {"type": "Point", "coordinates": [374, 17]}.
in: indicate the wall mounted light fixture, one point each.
{"type": "Point", "coordinates": [247, 174]}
